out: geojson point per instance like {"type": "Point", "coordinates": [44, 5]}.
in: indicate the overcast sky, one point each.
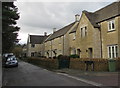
{"type": "Point", "coordinates": [38, 17]}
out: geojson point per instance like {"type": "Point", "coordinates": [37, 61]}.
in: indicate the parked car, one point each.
{"type": "Point", "coordinates": [10, 61]}
{"type": "Point", "coordinates": [7, 55]}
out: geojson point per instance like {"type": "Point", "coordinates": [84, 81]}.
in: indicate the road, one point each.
{"type": "Point", "coordinates": [30, 75]}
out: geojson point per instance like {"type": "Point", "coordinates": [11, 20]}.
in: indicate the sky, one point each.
{"type": "Point", "coordinates": [38, 16]}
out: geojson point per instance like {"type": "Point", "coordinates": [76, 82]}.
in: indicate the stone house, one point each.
{"type": "Point", "coordinates": [58, 42]}
{"type": "Point", "coordinates": [35, 45]}
{"type": "Point", "coordinates": [97, 34]}
{"type": "Point", "coordinates": [24, 51]}
{"type": "Point", "coordinates": [94, 35]}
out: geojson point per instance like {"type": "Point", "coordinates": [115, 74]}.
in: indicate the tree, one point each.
{"type": "Point", "coordinates": [17, 51]}
{"type": "Point", "coordinates": [9, 29]}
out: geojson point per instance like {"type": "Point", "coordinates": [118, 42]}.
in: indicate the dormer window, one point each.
{"type": "Point", "coordinates": [111, 25]}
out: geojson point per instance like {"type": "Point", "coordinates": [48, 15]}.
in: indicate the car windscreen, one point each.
{"type": "Point", "coordinates": [9, 55]}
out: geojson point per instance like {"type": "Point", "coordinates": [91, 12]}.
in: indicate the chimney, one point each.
{"type": "Point", "coordinates": [77, 17]}
{"type": "Point", "coordinates": [54, 29]}
{"type": "Point", "coordinates": [45, 33]}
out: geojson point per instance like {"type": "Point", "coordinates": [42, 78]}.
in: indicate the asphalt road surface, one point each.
{"type": "Point", "coordinates": [30, 75]}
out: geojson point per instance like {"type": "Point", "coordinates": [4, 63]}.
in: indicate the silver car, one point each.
{"type": "Point", "coordinates": [11, 61]}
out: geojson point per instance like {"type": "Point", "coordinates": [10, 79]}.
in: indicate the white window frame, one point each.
{"type": "Point", "coordinates": [110, 25]}
{"type": "Point", "coordinates": [112, 51]}
{"type": "Point", "coordinates": [83, 31]}
{"type": "Point", "coordinates": [74, 51]}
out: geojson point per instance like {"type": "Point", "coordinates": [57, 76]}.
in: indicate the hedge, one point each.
{"type": "Point", "coordinates": [99, 64]}
{"type": "Point", "coordinates": [75, 63]}
{"type": "Point", "coordinates": [44, 62]}
{"type": "Point", "coordinates": [74, 56]}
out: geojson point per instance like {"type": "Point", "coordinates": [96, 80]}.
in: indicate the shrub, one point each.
{"type": "Point", "coordinates": [66, 57]}
{"type": "Point", "coordinates": [74, 56]}
{"type": "Point", "coordinates": [63, 57]}
{"type": "Point", "coordinates": [60, 56]}
{"type": "Point", "coordinates": [45, 63]}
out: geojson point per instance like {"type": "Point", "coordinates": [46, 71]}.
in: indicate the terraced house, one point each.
{"type": "Point", "coordinates": [93, 35]}
{"type": "Point", "coordinates": [58, 42]}
{"type": "Point", "coordinates": [97, 34]}
{"type": "Point", "coordinates": [35, 45]}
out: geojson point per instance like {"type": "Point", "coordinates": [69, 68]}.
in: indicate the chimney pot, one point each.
{"type": "Point", "coordinates": [77, 17]}
{"type": "Point", "coordinates": [54, 29]}
{"type": "Point", "coordinates": [45, 33]}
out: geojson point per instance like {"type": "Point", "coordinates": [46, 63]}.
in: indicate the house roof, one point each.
{"type": "Point", "coordinates": [37, 39]}
{"type": "Point", "coordinates": [109, 11]}
{"type": "Point", "coordinates": [103, 14]}
{"type": "Point", "coordinates": [60, 32]}
{"type": "Point", "coordinates": [47, 37]}
{"type": "Point", "coordinates": [24, 46]}
{"type": "Point", "coordinates": [74, 29]}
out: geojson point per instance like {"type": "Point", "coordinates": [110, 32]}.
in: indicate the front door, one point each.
{"type": "Point", "coordinates": [90, 52]}
{"type": "Point", "coordinates": [78, 52]}
{"type": "Point", "coordinates": [32, 54]}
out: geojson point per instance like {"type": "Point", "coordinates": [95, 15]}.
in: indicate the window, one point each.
{"type": "Point", "coordinates": [32, 45]}
{"type": "Point", "coordinates": [111, 25]}
{"type": "Point", "coordinates": [60, 40]}
{"type": "Point", "coordinates": [50, 43]}
{"type": "Point", "coordinates": [112, 51]}
{"type": "Point", "coordinates": [60, 51]}
{"type": "Point", "coordinates": [83, 31]}
{"type": "Point", "coordinates": [74, 51]}
{"type": "Point", "coordinates": [74, 36]}
{"type": "Point", "coordinates": [32, 54]}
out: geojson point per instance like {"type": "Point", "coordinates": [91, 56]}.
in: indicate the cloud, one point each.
{"type": "Point", "coordinates": [40, 17]}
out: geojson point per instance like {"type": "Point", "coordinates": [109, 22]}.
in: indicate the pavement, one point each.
{"type": "Point", "coordinates": [104, 78]}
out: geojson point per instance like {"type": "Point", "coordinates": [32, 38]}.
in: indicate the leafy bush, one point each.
{"type": "Point", "coordinates": [74, 56]}
{"type": "Point", "coordinates": [63, 57]}
{"type": "Point", "coordinates": [60, 56]}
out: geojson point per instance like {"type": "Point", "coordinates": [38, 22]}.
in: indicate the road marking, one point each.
{"type": "Point", "coordinates": [83, 80]}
